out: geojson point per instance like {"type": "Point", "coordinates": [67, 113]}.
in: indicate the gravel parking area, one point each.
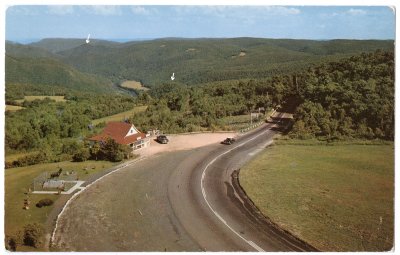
{"type": "Point", "coordinates": [184, 142]}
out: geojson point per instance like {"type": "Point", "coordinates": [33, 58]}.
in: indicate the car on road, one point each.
{"type": "Point", "coordinates": [228, 141]}
{"type": "Point", "coordinates": [162, 139]}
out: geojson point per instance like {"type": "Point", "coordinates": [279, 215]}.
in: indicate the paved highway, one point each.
{"type": "Point", "coordinates": [178, 201]}
{"type": "Point", "coordinates": [211, 210]}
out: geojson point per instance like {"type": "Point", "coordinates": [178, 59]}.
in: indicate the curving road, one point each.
{"type": "Point", "coordinates": [178, 201]}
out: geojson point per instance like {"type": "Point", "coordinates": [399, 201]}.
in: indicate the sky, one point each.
{"type": "Point", "coordinates": [30, 23]}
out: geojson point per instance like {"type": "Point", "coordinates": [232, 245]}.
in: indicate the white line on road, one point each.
{"type": "Point", "coordinates": [251, 243]}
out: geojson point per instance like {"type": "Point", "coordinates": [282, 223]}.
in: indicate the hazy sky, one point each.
{"type": "Point", "coordinates": [24, 23]}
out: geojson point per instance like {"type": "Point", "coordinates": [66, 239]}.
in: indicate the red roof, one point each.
{"type": "Point", "coordinates": [118, 131]}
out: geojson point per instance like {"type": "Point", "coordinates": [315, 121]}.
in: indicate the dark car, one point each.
{"type": "Point", "coordinates": [228, 141]}
{"type": "Point", "coordinates": [162, 139]}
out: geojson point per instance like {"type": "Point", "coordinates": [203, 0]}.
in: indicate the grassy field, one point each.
{"type": "Point", "coordinates": [31, 98]}
{"type": "Point", "coordinates": [13, 108]}
{"type": "Point", "coordinates": [17, 182]}
{"type": "Point", "coordinates": [337, 198]}
{"type": "Point", "coordinates": [133, 85]}
{"type": "Point", "coordinates": [120, 116]}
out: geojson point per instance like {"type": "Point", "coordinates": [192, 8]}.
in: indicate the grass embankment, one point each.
{"type": "Point", "coordinates": [337, 198]}
{"type": "Point", "coordinates": [32, 98]}
{"type": "Point", "coordinates": [239, 122]}
{"type": "Point", "coordinates": [134, 85]}
{"type": "Point", "coordinates": [120, 116]}
{"type": "Point", "coordinates": [17, 182]}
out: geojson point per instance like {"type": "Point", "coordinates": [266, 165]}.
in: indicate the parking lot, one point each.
{"type": "Point", "coordinates": [184, 142]}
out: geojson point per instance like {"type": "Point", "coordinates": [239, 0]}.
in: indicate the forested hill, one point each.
{"type": "Point", "coordinates": [40, 73]}
{"type": "Point", "coordinates": [73, 64]}
{"type": "Point", "coordinates": [197, 61]}
{"type": "Point", "coordinates": [26, 51]}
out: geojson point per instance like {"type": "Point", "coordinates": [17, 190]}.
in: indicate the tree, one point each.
{"type": "Point", "coordinates": [95, 150]}
{"type": "Point", "coordinates": [81, 155]}
{"type": "Point", "coordinates": [32, 235]}
{"type": "Point", "coordinates": [113, 151]}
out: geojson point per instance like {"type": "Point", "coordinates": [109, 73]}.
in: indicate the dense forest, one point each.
{"type": "Point", "coordinates": [206, 60]}
{"type": "Point", "coordinates": [51, 72]}
{"type": "Point", "coordinates": [350, 98]}
{"type": "Point", "coordinates": [194, 61]}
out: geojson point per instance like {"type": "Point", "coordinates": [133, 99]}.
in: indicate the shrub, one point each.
{"type": "Point", "coordinates": [8, 164]}
{"type": "Point", "coordinates": [28, 160]}
{"type": "Point", "coordinates": [117, 156]}
{"type": "Point", "coordinates": [32, 235]}
{"type": "Point", "coordinates": [11, 243]}
{"type": "Point", "coordinates": [44, 202]}
{"type": "Point", "coordinates": [82, 155]}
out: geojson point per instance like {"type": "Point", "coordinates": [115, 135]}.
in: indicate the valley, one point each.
{"type": "Point", "coordinates": [60, 93]}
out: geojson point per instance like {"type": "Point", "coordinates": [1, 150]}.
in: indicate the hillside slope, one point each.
{"type": "Point", "coordinates": [203, 60]}
{"type": "Point", "coordinates": [194, 61]}
{"type": "Point", "coordinates": [51, 72]}
{"type": "Point", "coordinates": [26, 51]}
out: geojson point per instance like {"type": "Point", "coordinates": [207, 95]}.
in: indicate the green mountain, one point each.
{"type": "Point", "coordinates": [60, 44]}
{"type": "Point", "coordinates": [73, 64]}
{"type": "Point", "coordinates": [45, 72]}
{"type": "Point", "coordinates": [26, 51]}
{"type": "Point", "coordinates": [197, 61]}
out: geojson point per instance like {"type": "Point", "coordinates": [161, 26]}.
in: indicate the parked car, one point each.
{"type": "Point", "coordinates": [162, 139]}
{"type": "Point", "coordinates": [228, 141]}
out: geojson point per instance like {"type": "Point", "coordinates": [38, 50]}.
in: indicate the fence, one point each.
{"type": "Point", "coordinates": [257, 124]}
{"type": "Point", "coordinates": [45, 178]}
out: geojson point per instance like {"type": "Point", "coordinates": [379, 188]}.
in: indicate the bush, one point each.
{"type": "Point", "coordinates": [117, 156]}
{"type": "Point", "coordinates": [8, 164]}
{"type": "Point", "coordinates": [44, 202]}
{"type": "Point", "coordinates": [11, 243]}
{"type": "Point", "coordinates": [32, 235]}
{"type": "Point", "coordinates": [82, 155]}
{"type": "Point", "coordinates": [28, 160]}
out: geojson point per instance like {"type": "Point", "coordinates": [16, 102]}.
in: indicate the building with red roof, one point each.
{"type": "Point", "coordinates": [123, 133]}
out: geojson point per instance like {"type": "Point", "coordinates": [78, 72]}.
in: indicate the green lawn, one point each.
{"type": "Point", "coordinates": [13, 108]}
{"type": "Point", "coordinates": [134, 85]}
{"type": "Point", "coordinates": [337, 198]}
{"type": "Point", "coordinates": [31, 98]}
{"type": "Point", "coordinates": [17, 182]}
{"type": "Point", "coordinates": [120, 116]}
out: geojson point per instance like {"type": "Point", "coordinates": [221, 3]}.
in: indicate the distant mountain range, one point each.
{"type": "Point", "coordinates": [60, 44]}
{"type": "Point", "coordinates": [73, 63]}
